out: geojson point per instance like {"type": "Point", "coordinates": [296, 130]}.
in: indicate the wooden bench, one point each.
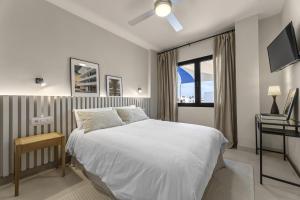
{"type": "Point", "coordinates": [31, 143]}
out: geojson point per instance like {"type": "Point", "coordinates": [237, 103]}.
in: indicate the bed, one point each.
{"type": "Point", "coordinates": [149, 159]}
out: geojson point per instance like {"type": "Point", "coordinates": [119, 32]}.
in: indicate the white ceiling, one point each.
{"type": "Point", "coordinates": [200, 18]}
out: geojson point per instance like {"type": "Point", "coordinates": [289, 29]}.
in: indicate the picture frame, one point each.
{"type": "Point", "coordinates": [114, 86]}
{"type": "Point", "coordinates": [290, 102]}
{"type": "Point", "coordinates": [85, 78]}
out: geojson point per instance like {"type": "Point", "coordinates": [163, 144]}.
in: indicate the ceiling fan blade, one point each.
{"type": "Point", "coordinates": [141, 18]}
{"type": "Point", "coordinates": [174, 22]}
{"type": "Point", "coordinates": [174, 2]}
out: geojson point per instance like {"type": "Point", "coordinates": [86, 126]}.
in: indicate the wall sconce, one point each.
{"type": "Point", "coordinates": [140, 90]}
{"type": "Point", "coordinates": [40, 81]}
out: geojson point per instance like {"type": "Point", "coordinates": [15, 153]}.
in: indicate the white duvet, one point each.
{"type": "Point", "coordinates": [150, 159]}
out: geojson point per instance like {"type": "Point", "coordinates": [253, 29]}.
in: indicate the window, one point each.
{"type": "Point", "coordinates": [195, 82]}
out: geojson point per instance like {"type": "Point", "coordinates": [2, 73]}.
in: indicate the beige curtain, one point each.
{"type": "Point", "coordinates": [167, 93]}
{"type": "Point", "coordinates": [225, 86]}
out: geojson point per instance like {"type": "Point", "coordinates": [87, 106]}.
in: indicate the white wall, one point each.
{"type": "Point", "coordinates": [247, 79]}
{"type": "Point", "coordinates": [287, 78]}
{"type": "Point", "coordinates": [291, 12]}
{"type": "Point", "coordinates": [38, 38]}
{"type": "Point", "coordinates": [200, 49]}
{"type": "Point", "coordinates": [196, 115]}
{"type": "Point", "coordinates": [269, 28]}
{"type": "Point", "coordinates": [153, 83]}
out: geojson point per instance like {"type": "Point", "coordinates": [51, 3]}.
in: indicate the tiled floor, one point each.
{"type": "Point", "coordinates": [273, 165]}
{"type": "Point", "coordinates": [235, 182]}
{"type": "Point", "coordinates": [270, 190]}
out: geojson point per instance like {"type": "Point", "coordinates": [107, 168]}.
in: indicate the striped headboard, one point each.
{"type": "Point", "coordinates": [16, 113]}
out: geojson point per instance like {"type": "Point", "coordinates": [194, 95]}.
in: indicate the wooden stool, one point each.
{"type": "Point", "coordinates": [31, 143]}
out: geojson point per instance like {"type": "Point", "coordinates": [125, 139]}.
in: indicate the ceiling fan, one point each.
{"type": "Point", "coordinates": [162, 8]}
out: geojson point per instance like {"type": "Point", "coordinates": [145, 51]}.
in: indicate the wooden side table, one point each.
{"type": "Point", "coordinates": [31, 143]}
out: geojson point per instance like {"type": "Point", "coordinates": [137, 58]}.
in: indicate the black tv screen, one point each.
{"type": "Point", "coordinates": [283, 51]}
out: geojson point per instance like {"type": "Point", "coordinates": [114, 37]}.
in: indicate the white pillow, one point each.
{"type": "Point", "coordinates": [132, 115]}
{"type": "Point", "coordinates": [126, 107]}
{"type": "Point", "coordinates": [78, 121]}
{"type": "Point", "coordinates": [99, 120]}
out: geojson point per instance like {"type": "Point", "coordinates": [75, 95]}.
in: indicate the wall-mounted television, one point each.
{"type": "Point", "coordinates": [283, 51]}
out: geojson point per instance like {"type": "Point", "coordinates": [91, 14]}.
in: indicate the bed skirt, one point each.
{"type": "Point", "coordinates": [102, 187]}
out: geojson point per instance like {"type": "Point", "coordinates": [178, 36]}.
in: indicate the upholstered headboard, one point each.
{"type": "Point", "coordinates": [16, 113]}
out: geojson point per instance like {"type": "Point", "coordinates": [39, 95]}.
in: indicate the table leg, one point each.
{"type": "Point", "coordinates": [63, 156]}
{"type": "Point", "coordinates": [260, 153]}
{"type": "Point", "coordinates": [17, 169]}
{"type": "Point", "coordinates": [284, 147]}
{"type": "Point", "coordinates": [56, 156]}
{"type": "Point", "coordinates": [256, 151]}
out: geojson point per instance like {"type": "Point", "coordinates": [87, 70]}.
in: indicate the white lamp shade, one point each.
{"type": "Point", "coordinates": [274, 90]}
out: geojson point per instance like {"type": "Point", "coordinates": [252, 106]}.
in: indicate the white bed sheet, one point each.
{"type": "Point", "coordinates": [150, 159]}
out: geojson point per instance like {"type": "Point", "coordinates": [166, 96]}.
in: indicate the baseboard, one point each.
{"type": "Point", "coordinates": [252, 150]}
{"type": "Point", "coordinates": [248, 149]}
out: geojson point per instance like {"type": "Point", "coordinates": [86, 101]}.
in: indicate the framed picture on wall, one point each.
{"type": "Point", "coordinates": [84, 78]}
{"type": "Point", "coordinates": [114, 86]}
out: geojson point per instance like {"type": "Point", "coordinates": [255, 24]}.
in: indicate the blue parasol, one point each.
{"type": "Point", "coordinates": [185, 76]}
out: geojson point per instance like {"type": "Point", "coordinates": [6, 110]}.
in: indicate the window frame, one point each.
{"type": "Point", "coordinates": [197, 74]}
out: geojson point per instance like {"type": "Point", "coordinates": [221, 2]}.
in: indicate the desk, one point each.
{"type": "Point", "coordinates": [31, 143]}
{"type": "Point", "coordinates": [285, 129]}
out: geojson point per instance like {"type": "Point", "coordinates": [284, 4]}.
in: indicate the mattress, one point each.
{"type": "Point", "coordinates": [150, 159]}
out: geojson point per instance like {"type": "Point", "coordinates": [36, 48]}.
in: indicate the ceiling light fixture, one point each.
{"type": "Point", "coordinates": [163, 8]}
